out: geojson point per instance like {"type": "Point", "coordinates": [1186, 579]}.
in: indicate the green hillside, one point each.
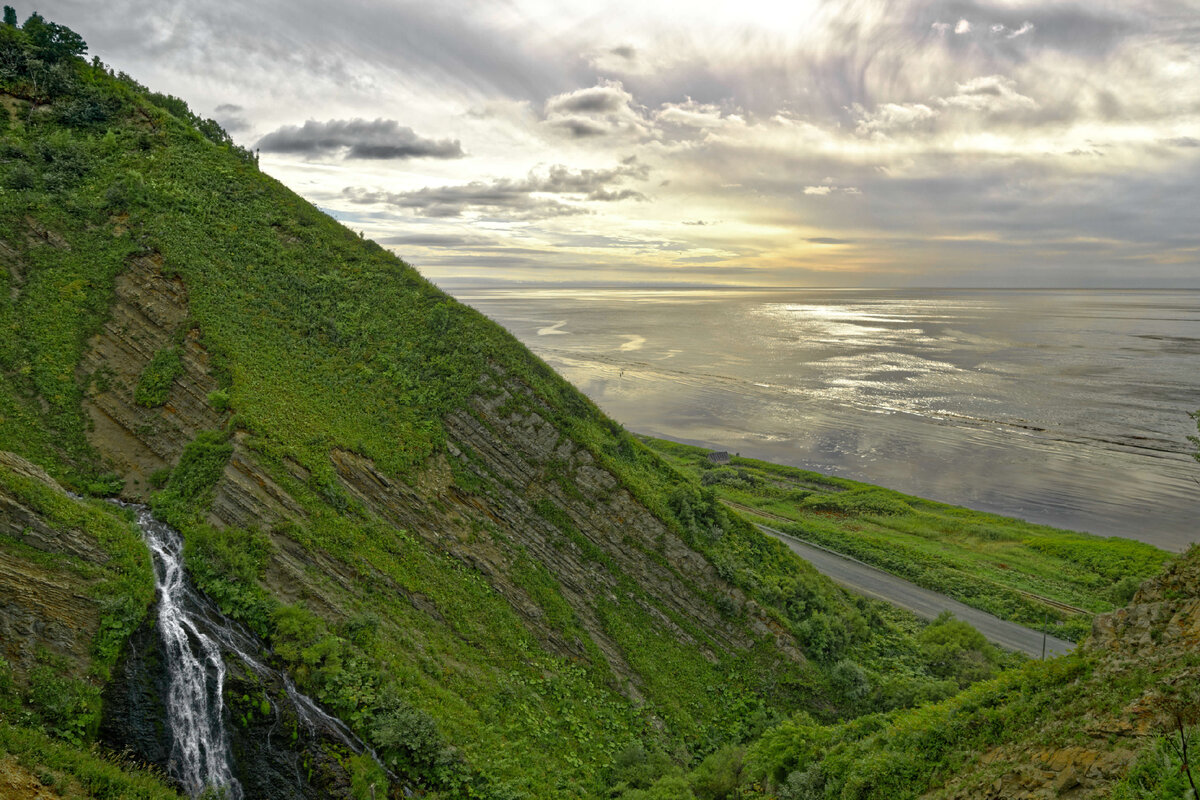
{"type": "Point", "coordinates": [495, 586]}
{"type": "Point", "coordinates": [1036, 575]}
{"type": "Point", "coordinates": [444, 542]}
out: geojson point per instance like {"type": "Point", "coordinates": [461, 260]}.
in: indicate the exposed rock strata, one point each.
{"type": "Point", "coordinates": [44, 603]}
{"type": "Point", "coordinates": [149, 314]}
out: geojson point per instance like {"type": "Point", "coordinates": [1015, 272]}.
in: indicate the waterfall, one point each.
{"type": "Point", "coordinates": [200, 754]}
{"type": "Point", "coordinates": [196, 640]}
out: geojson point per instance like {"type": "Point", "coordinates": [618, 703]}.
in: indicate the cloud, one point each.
{"type": "Point", "coordinates": [962, 26]}
{"type": "Point", "coordinates": [890, 117]}
{"type": "Point", "coordinates": [990, 93]}
{"type": "Point", "coordinates": [520, 199]}
{"type": "Point", "coordinates": [605, 109]}
{"type": "Point", "coordinates": [827, 240]}
{"type": "Point", "coordinates": [435, 240]}
{"type": "Point", "coordinates": [1010, 33]}
{"type": "Point", "coordinates": [357, 138]}
{"type": "Point", "coordinates": [229, 116]}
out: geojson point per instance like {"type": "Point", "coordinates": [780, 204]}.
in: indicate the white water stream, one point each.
{"type": "Point", "coordinates": [200, 756]}
{"type": "Point", "coordinates": [195, 634]}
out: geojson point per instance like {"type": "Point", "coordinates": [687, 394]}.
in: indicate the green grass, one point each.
{"type": "Point", "coordinates": [319, 341]}
{"type": "Point", "coordinates": [76, 773]}
{"type": "Point", "coordinates": [998, 564]}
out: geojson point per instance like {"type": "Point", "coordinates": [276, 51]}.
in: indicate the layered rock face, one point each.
{"type": "Point", "coordinates": [148, 316]}
{"type": "Point", "coordinates": [538, 493]}
{"type": "Point", "coordinates": [45, 606]}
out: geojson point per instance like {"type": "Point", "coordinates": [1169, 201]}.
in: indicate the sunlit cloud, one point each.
{"type": "Point", "coordinates": [857, 141]}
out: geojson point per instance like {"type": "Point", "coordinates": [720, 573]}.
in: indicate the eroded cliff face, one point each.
{"type": "Point", "coordinates": [150, 314]}
{"type": "Point", "coordinates": [533, 493]}
{"type": "Point", "coordinates": [45, 604]}
{"type": "Point", "coordinates": [1143, 666]}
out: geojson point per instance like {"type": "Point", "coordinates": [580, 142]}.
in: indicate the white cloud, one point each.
{"type": "Point", "coordinates": [962, 26]}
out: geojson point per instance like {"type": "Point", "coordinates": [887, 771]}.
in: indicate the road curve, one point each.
{"type": "Point", "coordinates": [875, 583]}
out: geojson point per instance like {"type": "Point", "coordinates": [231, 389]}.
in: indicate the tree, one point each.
{"type": "Point", "coordinates": [10, 16]}
{"type": "Point", "coordinates": [52, 42]}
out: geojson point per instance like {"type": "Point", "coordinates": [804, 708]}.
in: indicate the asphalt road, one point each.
{"type": "Point", "coordinates": [875, 583]}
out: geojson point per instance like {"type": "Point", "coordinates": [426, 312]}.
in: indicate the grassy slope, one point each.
{"type": "Point", "coordinates": [987, 561]}
{"type": "Point", "coordinates": [56, 695]}
{"type": "Point", "coordinates": [321, 340]}
{"type": "Point", "coordinates": [1116, 702]}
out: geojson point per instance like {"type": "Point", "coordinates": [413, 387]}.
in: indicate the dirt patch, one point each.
{"type": "Point", "coordinates": [18, 782]}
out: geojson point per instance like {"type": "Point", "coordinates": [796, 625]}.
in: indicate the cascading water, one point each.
{"type": "Point", "coordinates": [198, 644]}
{"type": "Point", "coordinates": [200, 754]}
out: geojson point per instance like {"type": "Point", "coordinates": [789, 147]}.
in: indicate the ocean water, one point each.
{"type": "Point", "coordinates": [1063, 407]}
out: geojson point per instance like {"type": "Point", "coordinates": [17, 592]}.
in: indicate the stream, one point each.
{"type": "Point", "coordinates": [199, 644]}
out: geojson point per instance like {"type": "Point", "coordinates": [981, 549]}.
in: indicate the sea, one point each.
{"type": "Point", "coordinates": [1064, 407]}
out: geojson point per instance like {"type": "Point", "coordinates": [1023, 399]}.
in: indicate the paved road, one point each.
{"type": "Point", "coordinates": [875, 583]}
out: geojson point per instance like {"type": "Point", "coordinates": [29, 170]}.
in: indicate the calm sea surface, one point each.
{"type": "Point", "coordinates": [1063, 407]}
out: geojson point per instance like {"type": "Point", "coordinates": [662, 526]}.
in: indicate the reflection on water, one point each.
{"type": "Point", "coordinates": [1066, 407]}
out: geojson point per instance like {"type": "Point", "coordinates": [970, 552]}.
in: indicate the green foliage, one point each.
{"type": "Point", "coordinates": [858, 502]}
{"type": "Point", "coordinates": [219, 400]}
{"type": "Point", "coordinates": [956, 651]}
{"type": "Point", "coordinates": [999, 565]}
{"type": "Point", "coordinates": [191, 482]}
{"type": "Point", "coordinates": [158, 377]}
{"type": "Point", "coordinates": [77, 771]}
{"type": "Point", "coordinates": [228, 563]}
{"type": "Point", "coordinates": [66, 707]}
{"type": "Point", "coordinates": [1158, 773]}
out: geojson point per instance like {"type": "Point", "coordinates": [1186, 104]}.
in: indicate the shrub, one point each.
{"type": "Point", "coordinates": [219, 400]}
{"type": "Point", "coordinates": [871, 501]}
{"type": "Point", "coordinates": [158, 377]}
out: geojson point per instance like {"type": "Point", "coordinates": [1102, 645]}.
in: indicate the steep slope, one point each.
{"type": "Point", "coordinates": [442, 541]}
{"type": "Point", "coordinates": [1114, 719]}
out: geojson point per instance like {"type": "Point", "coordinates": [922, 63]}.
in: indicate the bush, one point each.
{"type": "Point", "coordinates": [956, 651]}
{"type": "Point", "coordinates": [20, 178]}
{"type": "Point", "coordinates": [158, 377]}
{"type": "Point", "coordinates": [859, 502]}
{"type": "Point", "coordinates": [219, 400]}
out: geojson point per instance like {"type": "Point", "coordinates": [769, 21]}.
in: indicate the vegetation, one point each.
{"type": "Point", "coordinates": [326, 347]}
{"type": "Point", "coordinates": [1042, 577]}
{"type": "Point", "coordinates": [302, 319]}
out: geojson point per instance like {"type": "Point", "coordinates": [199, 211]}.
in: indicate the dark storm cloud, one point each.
{"type": "Point", "coordinates": [516, 198]}
{"type": "Point", "coordinates": [357, 138]}
{"type": "Point", "coordinates": [601, 110]}
{"type": "Point", "coordinates": [229, 116]}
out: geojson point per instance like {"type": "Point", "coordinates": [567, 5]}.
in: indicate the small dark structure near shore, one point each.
{"type": "Point", "coordinates": [718, 457]}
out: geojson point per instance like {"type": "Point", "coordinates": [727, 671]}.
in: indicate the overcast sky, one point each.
{"type": "Point", "coordinates": [847, 143]}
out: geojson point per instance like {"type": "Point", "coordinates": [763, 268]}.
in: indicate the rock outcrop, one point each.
{"type": "Point", "coordinates": [150, 314]}
{"type": "Point", "coordinates": [45, 606]}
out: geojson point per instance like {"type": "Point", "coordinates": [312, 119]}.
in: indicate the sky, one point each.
{"type": "Point", "coordinates": [801, 143]}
